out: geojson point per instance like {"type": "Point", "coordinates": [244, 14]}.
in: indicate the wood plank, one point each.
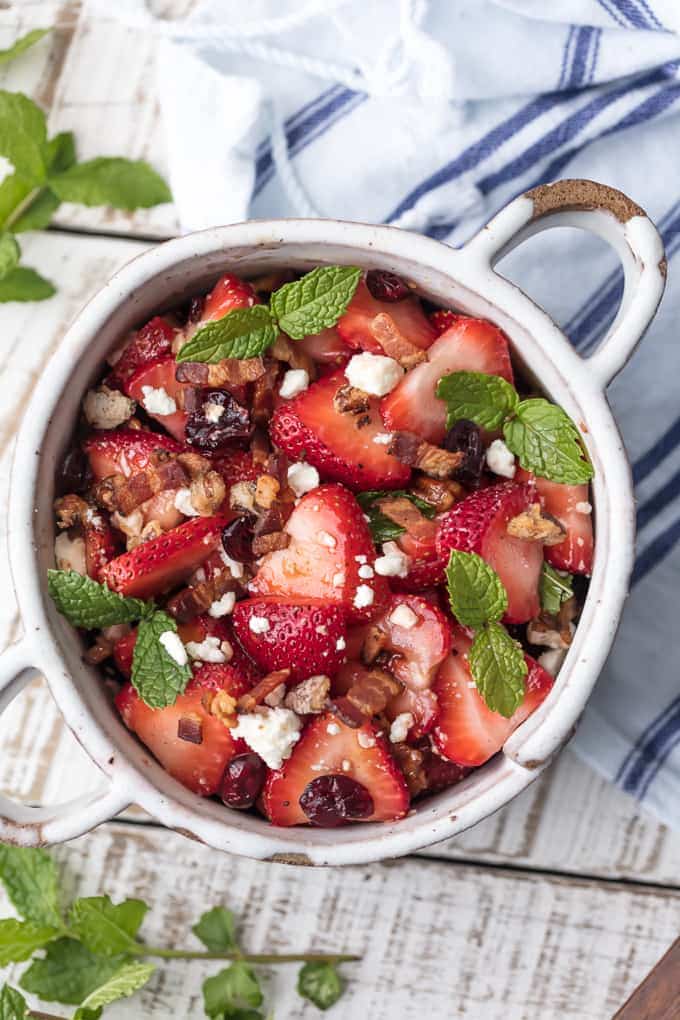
{"type": "Point", "coordinates": [453, 940]}
{"type": "Point", "coordinates": [658, 997]}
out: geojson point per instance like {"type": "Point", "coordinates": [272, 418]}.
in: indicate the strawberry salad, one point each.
{"type": "Point", "coordinates": [326, 547]}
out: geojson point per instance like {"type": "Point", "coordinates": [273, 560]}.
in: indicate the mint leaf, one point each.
{"type": "Point", "coordinates": [485, 399]}
{"type": "Point", "coordinates": [23, 135]}
{"type": "Point", "coordinates": [156, 677]}
{"type": "Point", "coordinates": [476, 592]}
{"type": "Point", "coordinates": [555, 587]}
{"type": "Point", "coordinates": [126, 981]}
{"type": "Point", "coordinates": [9, 252]}
{"type": "Point", "coordinates": [20, 939]}
{"type": "Point", "coordinates": [383, 528]}
{"type": "Point", "coordinates": [110, 180]}
{"type": "Point", "coordinates": [216, 929]}
{"type": "Point", "coordinates": [316, 301]}
{"type": "Point", "coordinates": [546, 442]}
{"type": "Point", "coordinates": [235, 987]}
{"type": "Point", "coordinates": [61, 152]}
{"type": "Point", "coordinates": [241, 333]}
{"type": "Point", "coordinates": [107, 929]}
{"type": "Point", "coordinates": [22, 44]}
{"type": "Point", "coordinates": [12, 1004]}
{"type": "Point", "coordinates": [69, 972]}
{"type": "Point", "coordinates": [24, 284]}
{"type": "Point", "coordinates": [320, 983]}
{"type": "Point", "coordinates": [30, 880]}
{"type": "Point", "coordinates": [498, 668]}
{"type": "Point", "coordinates": [88, 604]}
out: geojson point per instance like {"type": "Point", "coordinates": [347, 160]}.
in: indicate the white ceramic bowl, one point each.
{"type": "Point", "coordinates": [462, 278]}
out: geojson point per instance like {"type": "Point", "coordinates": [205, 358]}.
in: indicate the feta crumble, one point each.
{"type": "Point", "coordinates": [403, 616]}
{"type": "Point", "coordinates": [366, 572]}
{"type": "Point", "coordinates": [365, 740]}
{"type": "Point", "coordinates": [340, 644]}
{"type": "Point", "coordinates": [210, 649]}
{"type": "Point", "coordinates": [107, 409]}
{"type": "Point", "coordinates": [183, 503]}
{"type": "Point", "coordinates": [212, 411]}
{"type": "Point", "coordinates": [393, 562]}
{"type": "Point", "coordinates": [332, 729]}
{"type": "Point", "coordinates": [270, 732]}
{"type": "Point", "coordinates": [383, 438]}
{"type": "Point", "coordinates": [70, 553]}
{"type": "Point", "coordinates": [258, 624]}
{"type": "Point", "coordinates": [295, 381]}
{"type": "Point", "coordinates": [172, 643]}
{"type": "Point", "coordinates": [222, 606]}
{"type": "Point", "coordinates": [500, 460]}
{"type": "Point", "coordinates": [338, 579]}
{"type": "Point", "coordinates": [302, 478]}
{"type": "Point", "coordinates": [552, 660]}
{"type": "Point", "coordinates": [364, 596]}
{"type": "Point", "coordinates": [373, 373]}
{"type": "Point", "coordinates": [400, 727]}
{"type": "Point", "coordinates": [157, 401]}
{"type": "Point", "coordinates": [583, 508]}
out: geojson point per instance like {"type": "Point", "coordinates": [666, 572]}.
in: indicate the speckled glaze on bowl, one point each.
{"type": "Point", "coordinates": [463, 278]}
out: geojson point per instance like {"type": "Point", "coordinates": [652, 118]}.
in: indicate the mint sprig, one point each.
{"type": "Point", "coordinates": [301, 308]}
{"type": "Point", "coordinates": [478, 600]}
{"type": "Point", "coordinates": [555, 587]}
{"type": "Point", "coordinates": [89, 604]}
{"type": "Point", "coordinates": [540, 434]}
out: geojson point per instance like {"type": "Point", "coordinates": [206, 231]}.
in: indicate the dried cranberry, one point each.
{"type": "Point", "coordinates": [466, 437]}
{"type": "Point", "coordinates": [237, 539]}
{"type": "Point", "coordinates": [214, 436]}
{"type": "Point", "coordinates": [333, 800]}
{"type": "Point", "coordinates": [386, 286]}
{"type": "Point", "coordinates": [243, 780]}
{"type": "Point", "coordinates": [73, 473]}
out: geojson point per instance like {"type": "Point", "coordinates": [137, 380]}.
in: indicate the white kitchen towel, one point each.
{"type": "Point", "coordinates": [432, 116]}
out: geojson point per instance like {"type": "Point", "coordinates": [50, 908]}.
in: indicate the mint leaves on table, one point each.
{"type": "Point", "coordinates": [156, 676]}
{"type": "Point", "coordinates": [299, 309]}
{"type": "Point", "coordinates": [478, 600]}
{"type": "Point", "coordinates": [92, 955]}
{"type": "Point", "coordinates": [555, 587]}
{"type": "Point", "coordinates": [540, 434]}
{"type": "Point", "coordinates": [46, 173]}
{"type": "Point", "coordinates": [383, 528]}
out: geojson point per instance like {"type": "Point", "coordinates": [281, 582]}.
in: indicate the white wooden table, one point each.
{"type": "Point", "coordinates": [556, 907]}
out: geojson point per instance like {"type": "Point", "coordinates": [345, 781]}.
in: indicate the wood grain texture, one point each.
{"type": "Point", "coordinates": [448, 940]}
{"type": "Point", "coordinates": [658, 997]}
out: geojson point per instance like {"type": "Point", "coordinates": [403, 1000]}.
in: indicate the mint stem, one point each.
{"type": "Point", "coordinates": [23, 207]}
{"type": "Point", "coordinates": [181, 954]}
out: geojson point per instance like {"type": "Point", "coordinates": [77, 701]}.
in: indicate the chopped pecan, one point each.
{"type": "Point", "coordinates": [125, 494]}
{"type": "Point", "coordinates": [194, 464]}
{"type": "Point", "coordinates": [404, 513]}
{"type": "Point", "coordinates": [276, 697]}
{"type": "Point", "coordinates": [544, 632]}
{"type": "Point", "coordinates": [346, 712]}
{"type": "Point", "coordinates": [242, 497]}
{"type": "Point", "coordinates": [223, 707]}
{"type": "Point", "coordinates": [266, 491]}
{"type": "Point", "coordinates": [374, 642]}
{"type": "Point", "coordinates": [229, 372]}
{"type": "Point", "coordinates": [131, 526]}
{"type": "Point", "coordinates": [410, 761]}
{"type": "Point", "coordinates": [440, 493]}
{"type": "Point", "coordinates": [208, 492]}
{"type": "Point", "coordinates": [195, 599]}
{"type": "Point", "coordinates": [535, 526]}
{"type": "Point", "coordinates": [372, 689]}
{"type": "Point", "coordinates": [310, 696]}
{"type": "Point", "coordinates": [153, 529]}
{"type": "Point", "coordinates": [263, 544]}
{"type": "Point", "coordinates": [260, 447]}
{"type": "Point", "coordinates": [395, 344]}
{"type": "Point", "coordinates": [273, 519]}
{"type": "Point", "coordinates": [351, 400]}
{"type": "Point", "coordinates": [430, 459]}
{"type": "Point", "coordinates": [70, 510]}
{"type": "Point", "coordinates": [249, 701]}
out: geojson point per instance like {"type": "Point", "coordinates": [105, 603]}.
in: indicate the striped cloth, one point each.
{"type": "Point", "coordinates": [433, 116]}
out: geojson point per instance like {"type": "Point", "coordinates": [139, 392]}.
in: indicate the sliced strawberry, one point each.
{"type": "Point", "coordinates": [354, 327]}
{"type": "Point", "coordinates": [329, 542]}
{"type": "Point", "coordinates": [229, 292]}
{"type": "Point", "coordinates": [569, 504]}
{"type": "Point", "coordinates": [124, 451]}
{"type": "Point", "coordinates": [237, 466]}
{"type": "Point", "coordinates": [148, 344]}
{"type": "Point", "coordinates": [340, 445]}
{"type": "Point", "coordinates": [470, 345]}
{"type": "Point", "coordinates": [419, 647]}
{"type": "Point", "coordinates": [426, 566]}
{"type": "Point", "coordinates": [100, 544]}
{"type": "Point", "coordinates": [157, 565]}
{"type": "Point", "coordinates": [198, 763]}
{"type": "Point", "coordinates": [309, 638]}
{"type": "Point", "coordinates": [328, 747]}
{"type": "Point", "coordinates": [479, 524]}
{"type": "Point", "coordinates": [160, 375]}
{"type": "Point", "coordinates": [442, 319]}
{"type": "Point", "coordinates": [326, 347]}
{"type": "Point", "coordinates": [466, 731]}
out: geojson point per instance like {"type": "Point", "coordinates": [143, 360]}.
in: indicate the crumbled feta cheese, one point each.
{"type": "Point", "coordinates": [361, 559]}
{"type": "Point", "coordinates": [174, 647]}
{"type": "Point", "coordinates": [393, 562]}
{"type": "Point", "coordinates": [235, 568]}
{"type": "Point", "coordinates": [383, 438]}
{"type": "Point", "coordinates": [70, 553]}
{"type": "Point", "coordinates": [332, 729]}
{"type": "Point", "coordinates": [222, 606]}
{"type": "Point", "coordinates": [258, 624]}
{"type": "Point", "coordinates": [93, 518]}
{"type": "Point", "coordinates": [270, 732]}
{"type": "Point", "coordinates": [366, 572]}
{"type": "Point", "coordinates": [338, 579]}
{"type": "Point", "coordinates": [157, 401]}
{"type": "Point", "coordinates": [325, 538]}
{"type": "Point", "coordinates": [403, 616]}
{"type": "Point", "coordinates": [212, 412]}
{"type": "Point", "coordinates": [500, 460]}
{"type": "Point", "coordinates": [400, 727]}
{"type": "Point", "coordinates": [373, 373]}
{"type": "Point", "coordinates": [183, 503]}
{"type": "Point", "coordinates": [364, 596]}
{"type": "Point", "coordinates": [346, 765]}
{"type": "Point", "coordinates": [294, 381]}
{"type": "Point", "coordinates": [302, 478]}
{"type": "Point", "coordinates": [583, 508]}
{"type": "Point", "coordinates": [552, 660]}
{"type": "Point", "coordinates": [340, 644]}
{"type": "Point", "coordinates": [107, 409]}
{"type": "Point", "coordinates": [210, 649]}
{"type": "Point", "coordinates": [365, 740]}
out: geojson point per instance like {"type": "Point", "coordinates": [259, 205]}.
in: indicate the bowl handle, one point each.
{"type": "Point", "coordinates": [615, 218]}
{"type": "Point", "coordinates": [38, 826]}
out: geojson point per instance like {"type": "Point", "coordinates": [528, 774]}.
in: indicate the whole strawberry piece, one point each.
{"type": "Point", "coordinates": [309, 638]}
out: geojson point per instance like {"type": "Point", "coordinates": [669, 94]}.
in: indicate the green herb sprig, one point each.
{"type": "Point", "coordinates": [92, 955]}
